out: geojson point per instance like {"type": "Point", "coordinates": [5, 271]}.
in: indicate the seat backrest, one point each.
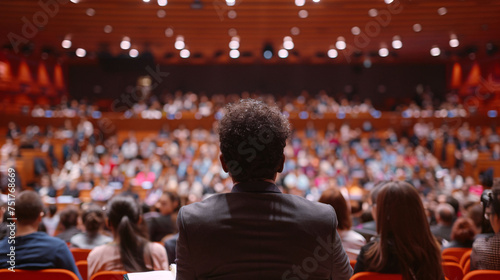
{"type": "Point", "coordinates": [353, 263]}
{"type": "Point", "coordinates": [108, 275]}
{"type": "Point", "coordinates": [83, 269]}
{"type": "Point", "coordinates": [44, 274]}
{"type": "Point", "coordinates": [376, 276]}
{"type": "Point", "coordinates": [453, 271]}
{"type": "Point", "coordinates": [456, 252]}
{"type": "Point", "coordinates": [483, 275]}
{"type": "Point", "coordinates": [464, 258]}
{"type": "Point", "coordinates": [466, 267]}
{"type": "Point", "coordinates": [450, 258]}
{"type": "Point", "coordinates": [80, 254]}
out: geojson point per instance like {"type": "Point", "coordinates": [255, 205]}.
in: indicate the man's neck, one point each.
{"type": "Point", "coordinates": [22, 230]}
{"type": "Point", "coordinates": [260, 179]}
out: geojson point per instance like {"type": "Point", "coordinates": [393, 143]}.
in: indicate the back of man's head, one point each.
{"type": "Point", "coordinates": [252, 138]}
{"type": "Point", "coordinates": [445, 213]}
{"type": "Point", "coordinates": [28, 207]}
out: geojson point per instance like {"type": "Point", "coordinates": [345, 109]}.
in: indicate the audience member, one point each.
{"type": "Point", "coordinates": [164, 224]}
{"type": "Point", "coordinates": [351, 240]}
{"type": "Point", "coordinates": [406, 244]}
{"type": "Point", "coordinates": [256, 232]}
{"type": "Point", "coordinates": [51, 219]}
{"type": "Point", "coordinates": [68, 221]}
{"type": "Point", "coordinates": [486, 250]}
{"type": "Point", "coordinates": [369, 229]}
{"type": "Point", "coordinates": [462, 234]}
{"type": "Point", "coordinates": [93, 220]}
{"type": "Point", "coordinates": [444, 218]}
{"type": "Point", "coordinates": [130, 250]}
{"type": "Point", "coordinates": [34, 250]}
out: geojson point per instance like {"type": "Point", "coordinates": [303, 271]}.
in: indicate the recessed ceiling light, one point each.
{"type": "Point", "coordinates": [355, 30]}
{"type": "Point", "coordinates": [303, 14]}
{"type": "Point", "coordinates": [108, 29]}
{"type": "Point", "coordinates": [442, 11]}
{"type": "Point", "coordinates": [417, 27]}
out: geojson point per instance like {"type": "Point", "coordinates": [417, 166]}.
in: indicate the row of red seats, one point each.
{"type": "Point", "coordinates": [62, 274]}
{"type": "Point", "coordinates": [456, 266]}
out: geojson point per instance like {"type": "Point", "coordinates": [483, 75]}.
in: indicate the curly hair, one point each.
{"type": "Point", "coordinates": [252, 138]}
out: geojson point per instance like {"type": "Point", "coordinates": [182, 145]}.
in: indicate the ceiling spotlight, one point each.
{"type": "Point", "coordinates": [75, 1]}
{"type": "Point", "coordinates": [146, 1]}
{"type": "Point", "coordinates": [383, 52]}
{"type": "Point", "coordinates": [179, 43]}
{"type": "Point", "coordinates": [268, 51]}
{"type": "Point", "coordinates": [169, 32]}
{"type": "Point", "coordinates": [341, 43]}
{"type": "Point", "coordinates": [295, 31]}
{"type": "Point", "coordinates": [454, 41]}
{"type": "Point", "coordinates": [81, 52]}
{"type": "Point", "coordinates": [373, 12]}
{"type": "Point", "coordinates": [417, 27]}
{"type": "Point", "coordinates": [283, 53]}
{"type": "Point", "coordinates": [162, 3]}
{"type": "Point", "coordinates": [316, 1]}
{"type": "Point", "coordinates": [300, 3]}
{"type": "Point", "coordinates": [268, 54]}
{"type": "Point", "coordinates": [108, 29]}
{"type": "Point", "coordinates": [388, 1]}
{"type": "Point", "coordinates": [66, 43]}
{"type": "Point", "coordinates": [133, 53]}
{"type": "Point", "coordinates": [234, 53]}
{"type": "Point", "coordinates": [442, 11]}
{"type": "Point", "coordinates": [125, 43]}
{"type": "Point", "coordinates": [232, 14]}
{"type": "Point", "coordinates": [232, 32]}
{"type": "Point", "coordinates": [161, 14]}
{"type": "Point", "coordinates": [234, 44]}
{"type": "Point", "coordinates": [230, 2]}
{"type": "Point", "coordinates": [435, 51]}
{"type": "Point", "coordinates": [332, 53]}
{"type": "Point", "coordinates": [396, 42]}
{"type": "Point", "coordinates": [288, 45]}
{"type": "Point", "coordinates": [355, 30]}
{"type": "Point", "coordinates": [303, 14]}
{"type": "Point", "coordinates": [90, 12]}
{"type": "Point", "coordinates": [185, 53]}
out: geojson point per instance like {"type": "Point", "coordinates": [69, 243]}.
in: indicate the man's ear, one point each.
{"type": "Point", "coordinates": [223, 163]}
{"type": "Point", "coordinates": [39, 219]}
{"type": "Point", "coordinates": [282, 165]}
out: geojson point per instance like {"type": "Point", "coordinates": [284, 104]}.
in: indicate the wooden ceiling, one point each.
{"type": "Point", "coordinates": [206, 30]}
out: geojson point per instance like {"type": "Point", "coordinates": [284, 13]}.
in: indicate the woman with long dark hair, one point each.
{"type": "Point", "coordinates": [130, 250]}
{"type": "Point", "coordinates": [93, 220]}
{"type": "Point", "coordinates": [405, 244]}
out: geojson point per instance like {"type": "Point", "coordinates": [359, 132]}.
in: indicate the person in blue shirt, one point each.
{"type": "Point", "coordinates": [29, 249]}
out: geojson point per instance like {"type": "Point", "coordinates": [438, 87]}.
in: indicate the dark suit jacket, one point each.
{"type": "Point", "coordinates": [256, 232]}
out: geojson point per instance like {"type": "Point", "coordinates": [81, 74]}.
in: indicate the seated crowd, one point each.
{"type": "Point", "coordinates": [396, 205]}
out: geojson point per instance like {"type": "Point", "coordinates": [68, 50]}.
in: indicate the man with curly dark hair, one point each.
{"type": "Point", "coordinates": [256, 232]}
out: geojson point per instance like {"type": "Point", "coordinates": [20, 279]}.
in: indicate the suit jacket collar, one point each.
{"type": "Point", "coordinates": [255, 187]}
